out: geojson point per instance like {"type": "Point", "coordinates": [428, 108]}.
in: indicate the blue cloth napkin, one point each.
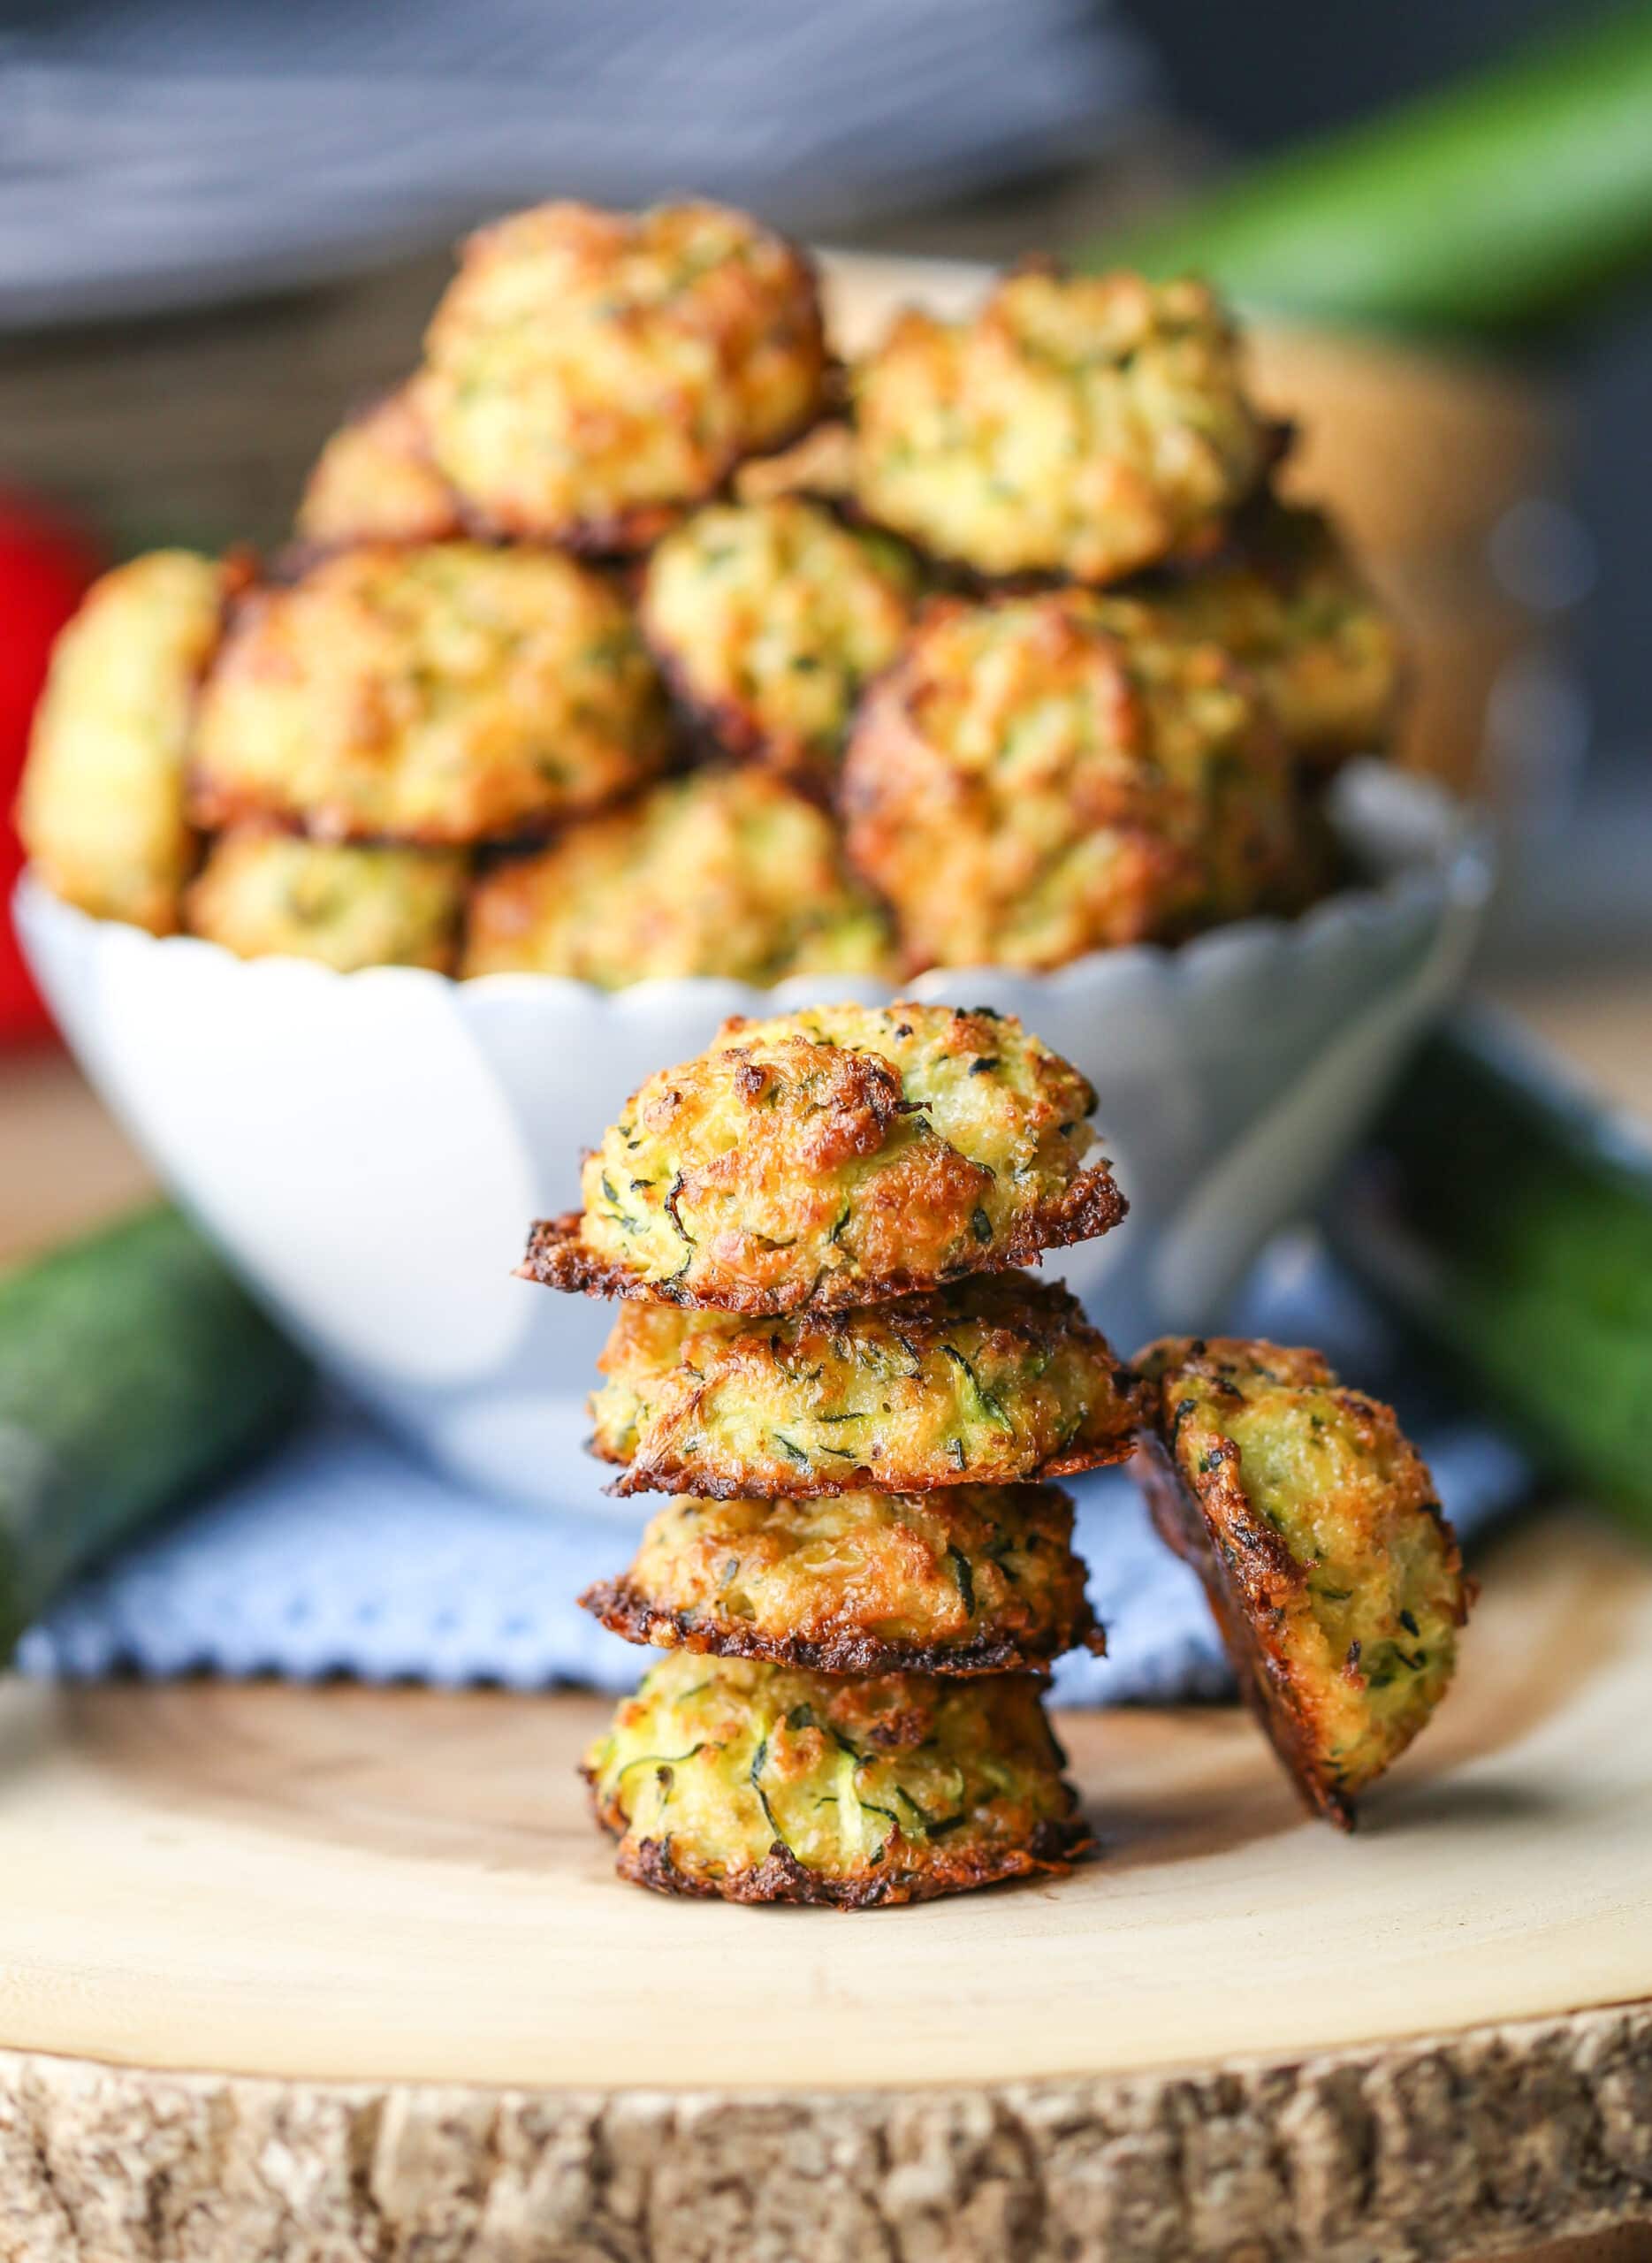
{"type": "Point", "coordinates": [344, 1555]}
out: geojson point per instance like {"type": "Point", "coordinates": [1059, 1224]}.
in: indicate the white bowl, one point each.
{"type": "Point", "coordinates": [368, 1148]}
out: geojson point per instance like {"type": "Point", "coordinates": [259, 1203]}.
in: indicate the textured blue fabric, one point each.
{"type": "Point", "coordinates": [342, 1555]}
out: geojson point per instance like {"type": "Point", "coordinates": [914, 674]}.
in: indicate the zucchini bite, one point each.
{"type": "Point", "coordinates": [589, 374]}
{"type": "Point", "coordinates": [1083, 425]}
{"type": "Point", "coordinates": [1044, 776]}
{"type": "Point", "coordinates": [1312, 1520]}
{"type": "Point", "coordinates": [721, 873]}
{"type": "Point", "coordinates": [994, 1379]}
{"type": "Point", "coordinates": [1288, 603]}
{"type": "Point", "coordinates": [835, 1157]}
{"type": "Point", "coordinates": [441, 694]}
{"type": "Point", "coordinates": [978, 1578]}
{"type": "Point", "coordinates": [767, 619]}
{"type": "Point", "coordinates": [760, 1783]}
{"type": "Point", "coordinates": [102, 811]}
{"type": "Point", "coordinates": [266, 894]}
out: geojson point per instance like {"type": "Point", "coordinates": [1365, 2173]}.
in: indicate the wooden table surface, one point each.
{"type": "Point", "coordinates": [434, 2023]}
{"type": "Point", "coordinates": [328, 1973]}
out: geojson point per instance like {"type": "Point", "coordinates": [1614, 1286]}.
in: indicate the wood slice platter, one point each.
{"type": "Point", "coordinates": [329, 1972]}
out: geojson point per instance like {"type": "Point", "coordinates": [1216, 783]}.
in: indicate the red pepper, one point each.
{"type": "Point", "coordinates": [46, 567]}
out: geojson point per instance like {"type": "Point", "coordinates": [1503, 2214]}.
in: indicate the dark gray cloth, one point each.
{"type": "Point", "coordinates": [156, 152]}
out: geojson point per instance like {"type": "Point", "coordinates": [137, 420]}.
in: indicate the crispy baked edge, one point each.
{"type": "Point", "coordinates": [725, 726]}
{"type": "Point", "coordinates": [557, 1259]}
{"type": "Point", "coordinates": [1053, 1849]}
{"type": "Point", "coordinates": [666, 1473]}
{"type": "Point", "coordinates": [624, 1609]}
{"type": "Point", "coordinates": [1231, 1589]}
{"type": "Point", "coordinates": [672, 1478]}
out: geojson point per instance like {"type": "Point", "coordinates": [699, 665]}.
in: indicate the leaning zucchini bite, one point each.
{"type": "Point", "coordinates": [995, 1379]}
{"type": "Point", "coordinates": [978, 1578]}
{"type": "Point", "coordinates": [1312, 1520]}
{"type": "Point", "coordinates": [761, 1783]}
{"type": "Point", "coordinates": [833, 1157]}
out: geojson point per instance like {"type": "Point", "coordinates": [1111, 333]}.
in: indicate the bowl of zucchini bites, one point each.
{"type": "Point", "coordinates": [662, 650]}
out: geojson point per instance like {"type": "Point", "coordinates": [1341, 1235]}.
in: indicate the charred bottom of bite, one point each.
{"type": "Point", "coordinates": [755, 1782]}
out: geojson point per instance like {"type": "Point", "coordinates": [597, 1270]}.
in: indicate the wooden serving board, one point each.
{"type": "Point", "coordinates": [335, 1971]}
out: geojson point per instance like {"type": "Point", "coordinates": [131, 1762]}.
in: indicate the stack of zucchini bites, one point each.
{"type": "Point", "coordinates": [828, 1356]}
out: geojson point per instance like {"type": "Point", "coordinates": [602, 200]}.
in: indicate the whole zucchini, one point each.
{"type": "Point", "coordinates": [1507, 1217]}
{"type": "Point", "coordinates": [133, 1368]}
{"type": "Point", "coordinates": [1494, 204]}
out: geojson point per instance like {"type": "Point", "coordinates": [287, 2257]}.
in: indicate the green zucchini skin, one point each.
{"type": "Point", "coordinates": [133, 1368]}
{"type": "Point", "coordinates": [1507, 1217]}
{"type": "Point", "coordinates": [1495, 205]}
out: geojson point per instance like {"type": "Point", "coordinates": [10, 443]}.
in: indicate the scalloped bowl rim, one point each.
{"type": "Point", "coordinates": [1454, 865]}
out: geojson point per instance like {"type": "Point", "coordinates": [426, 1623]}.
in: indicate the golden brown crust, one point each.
{"type": "Point", "coordinates": [758, 1782]}
{"type": "Point", "coordinates": [625, 1611]}
{"type": "Point", "coordinates": [589, 375]}
{"type": "Point", "coordinates": [1334, 1579]}
{"type": "Point", "coordinates": [836, 1156]}
{"type": "Point", "coordinates": [972, 1579]}
{"type": "Point", "coordinates": [995, 1380]}
{"type": "Point", "coordinates": [1053, 1849]}
{"type": "Point", "coordinates": [557, 1259]}
{"type": "Point", "coordinates": [1040, 777]}
{"type": "Point", "coordinates": [435, 694]}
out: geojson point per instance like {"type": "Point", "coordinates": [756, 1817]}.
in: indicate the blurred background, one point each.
{"type": "Point", "coordinates": [223, 223]}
